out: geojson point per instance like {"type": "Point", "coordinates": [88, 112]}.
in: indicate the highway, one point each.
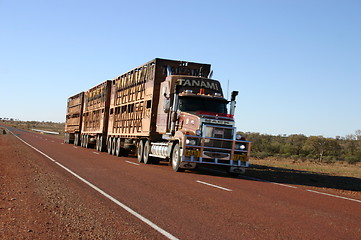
{"type": "Point", "coordinates": [202, 204]}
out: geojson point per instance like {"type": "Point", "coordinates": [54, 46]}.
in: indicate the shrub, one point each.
{"type": "Point", "coordinates": [260, 155]}
{"type": "Point", "coordinates": [352, 159]}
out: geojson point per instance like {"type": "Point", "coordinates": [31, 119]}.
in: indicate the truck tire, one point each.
{"type": "Point", "coordinates": [118, 149]}
{"type": "Point", "coordinates": [82, 141]}
{"type": "Point", "coordinates": [146, 151]}
{"type": "Point", "coordinates": [114, 143]}
{"type": "Point", "coordinates": [110, 145]}
{"type": "Point", "coordinates": [140, 150]}
{"type": "Point", "coordinates": [99, 143]}
{"type": "Point", "coordinates": [86, 141]}
{"type": "Point", "coordinates": [176, 159]}
{"type": "Point", "coordinates": [76, 139]}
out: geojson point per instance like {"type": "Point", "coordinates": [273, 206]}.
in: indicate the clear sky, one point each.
{"type": "Point", "coordinates": [295, 63]}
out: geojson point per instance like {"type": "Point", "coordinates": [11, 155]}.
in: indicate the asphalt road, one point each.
{"type": "Point", "coordinates": [203, 204]}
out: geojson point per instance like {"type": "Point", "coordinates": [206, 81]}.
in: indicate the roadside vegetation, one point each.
{"type": "Point", "coordinates": [28, 125]}
{"type": "Point", "coordinates": [298, 147]}
{"type": "Point", "coordinates": [339, 156]}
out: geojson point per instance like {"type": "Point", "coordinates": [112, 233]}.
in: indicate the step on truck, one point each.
{"type": "Point", "coordinates": [167, 110]}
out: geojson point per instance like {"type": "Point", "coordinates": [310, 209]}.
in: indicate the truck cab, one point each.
{"type": "Point", "coordinates": [193, 116]}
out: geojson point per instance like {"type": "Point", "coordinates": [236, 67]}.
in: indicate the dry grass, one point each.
{"type": "Point", "coordinates": [28, 125]}
{"type": "Point", "coordinates": [333, 169]}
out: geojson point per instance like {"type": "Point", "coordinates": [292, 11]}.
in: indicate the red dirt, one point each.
{"type": "Point", "coordinates": [40, 202]}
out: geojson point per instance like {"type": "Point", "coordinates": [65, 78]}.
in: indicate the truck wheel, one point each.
{"type": "Point", "coordinates": [176, 159]}
{"type": "Point", "coordinates": [109, 145]}
{"type": "Point", "coordinates": [140, 150]}
{"type": "Point", "coordinates": [97, 143]}
{"type": "Point", "coordinates": [101, 145]}
{"type": "Point", "coordinates": [114, 143]}
{"type": "Point", "coordinates": [82, 141]}
{"type": "Point", "coordinates": [86, 141]}
{"type": "Point", "coordinates": [146, 151]}
{"type": "Point", "coordinates": [118, 149]}
{"type": "Point", "coordinates": [76, 139]}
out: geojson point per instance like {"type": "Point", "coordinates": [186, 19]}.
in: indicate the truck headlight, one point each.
{"type": "Point", "coordinates": [191, 142]}
{"type": "Point", "coordinates": [240, 146]}
{"type": "Point", "coordinates": [198, 132]}
{"type": "Point", "coordinates": [238, 136]}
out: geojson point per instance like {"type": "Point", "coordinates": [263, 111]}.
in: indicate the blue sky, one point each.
{"type": "Point", "coordinates": [296, 64]}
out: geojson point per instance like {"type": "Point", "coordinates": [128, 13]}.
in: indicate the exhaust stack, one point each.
{"type": "Point", "coordinates": [232, 109]}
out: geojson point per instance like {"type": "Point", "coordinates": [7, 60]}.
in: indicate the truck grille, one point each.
{"type": "Point", "coordinates": [220, 133]}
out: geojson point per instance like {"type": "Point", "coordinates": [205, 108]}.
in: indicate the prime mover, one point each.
{"type": "Point", "coordinates": [164, 110]}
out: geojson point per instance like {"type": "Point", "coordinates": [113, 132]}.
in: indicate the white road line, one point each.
{"type": "Point", "coordinates": [285, 185]}
{"type": "Point", "coordinates": [215, 186]}
{"type": "Point", "coordinates": [331, 195]}
{"type": "Point", "coordinates": [261, 180]}
{"type": "Point", "coordinates": [132, 163]}
{"type": "Point", "coordinates": [128, 209]}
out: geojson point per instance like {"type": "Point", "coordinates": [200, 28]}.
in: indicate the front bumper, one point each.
{"type": "Point", "coordinates": [215, 151]}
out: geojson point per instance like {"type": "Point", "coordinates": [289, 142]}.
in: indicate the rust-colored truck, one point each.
{"type": "Point", "coordinates": [95, 116]}
{"type": "Point", "coordinates": [73, 120]}
{"type": "Point", "coordinates": [165, 110]}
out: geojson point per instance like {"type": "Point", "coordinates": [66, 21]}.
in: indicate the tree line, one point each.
{"type": "Point", "coordinates": [300, 147]}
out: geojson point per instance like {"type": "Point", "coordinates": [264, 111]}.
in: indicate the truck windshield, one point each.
{"type": "Point", "coordinates": [193, 104]}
